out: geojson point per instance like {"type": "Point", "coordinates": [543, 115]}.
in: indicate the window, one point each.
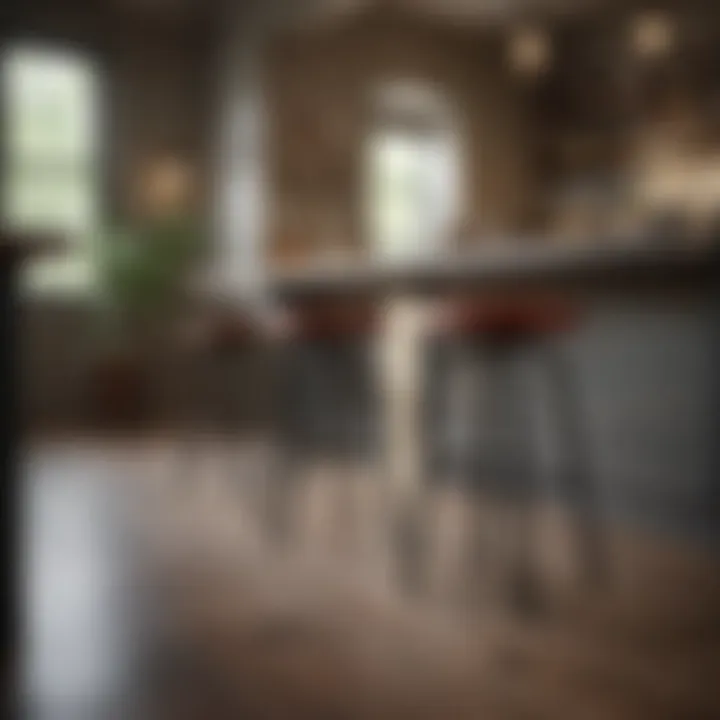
{"type": "Point", "coordinates": [414, 173]}
{"type": "Point", "coordinates": [51, 146]}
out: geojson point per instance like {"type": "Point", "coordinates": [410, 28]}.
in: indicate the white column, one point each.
{"type": "Point", "coordinates": [241, 192]}
{"type": "Point", "coordinates": [242, 197]}
{"type": "Point", "coordinates": [402, 381]}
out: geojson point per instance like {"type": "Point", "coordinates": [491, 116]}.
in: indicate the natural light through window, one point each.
{"type": "Point", "coordinates": [51, 174]}
{"type": "Point", "coordinates": [414, 174]}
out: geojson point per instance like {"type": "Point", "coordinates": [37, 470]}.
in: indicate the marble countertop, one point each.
{"type": "Point", "coordinates": [514, 266]}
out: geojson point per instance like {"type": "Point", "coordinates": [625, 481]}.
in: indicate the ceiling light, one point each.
{"type": "Point", "coordinates": [529, 51]}
{"type": "Point", "coordinates": [653, 35]}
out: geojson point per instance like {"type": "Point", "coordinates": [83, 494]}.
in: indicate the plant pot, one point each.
{"type": "Point", "coordinates": [120, 391]}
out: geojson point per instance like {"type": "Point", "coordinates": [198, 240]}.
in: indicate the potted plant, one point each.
{"type": "Point", "coordinates": [141, 272]}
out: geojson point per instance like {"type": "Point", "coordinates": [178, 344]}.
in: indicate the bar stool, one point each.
{"type": "Point", "coordinates": [496, 333]}
{"type": "Point", "coordinates": [325, 406]}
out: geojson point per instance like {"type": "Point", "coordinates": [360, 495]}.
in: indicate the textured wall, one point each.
{"type": "Point", "coordinates": [321, 85]}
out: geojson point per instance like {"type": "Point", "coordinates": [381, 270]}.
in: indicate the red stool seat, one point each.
{"type": "Point", "coordinates": [331, 321]}
{"type": "Point", "coordinates": [507, 319]}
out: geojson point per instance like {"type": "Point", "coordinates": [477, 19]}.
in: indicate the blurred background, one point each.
{"type": "Point", "coordinates": [360, 357]}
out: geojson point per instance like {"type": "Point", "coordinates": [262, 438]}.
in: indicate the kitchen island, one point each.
{"type": "Point", "coordinates": [647, 356]}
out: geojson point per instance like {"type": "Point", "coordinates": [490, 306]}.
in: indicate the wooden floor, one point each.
{"type": "Point", "coordinates": [155, 590]}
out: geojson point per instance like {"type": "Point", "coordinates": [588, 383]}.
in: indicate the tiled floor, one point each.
{"type": "Point", "coordinates": [154, 590]}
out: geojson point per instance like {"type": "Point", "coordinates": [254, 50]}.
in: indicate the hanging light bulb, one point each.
{"type": "Point", "coordinates": [166, 185]}
{"type": "Point", "coordinates": [529, 51]}
{"type": "Point", "coordinates": [653, 35]}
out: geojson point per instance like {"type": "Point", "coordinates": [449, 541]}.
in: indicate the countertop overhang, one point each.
{"type": "Point", "coordinates": [516, 268]}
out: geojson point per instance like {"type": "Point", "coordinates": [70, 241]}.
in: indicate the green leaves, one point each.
{"type": "Point", "coordinates": [143, 268]}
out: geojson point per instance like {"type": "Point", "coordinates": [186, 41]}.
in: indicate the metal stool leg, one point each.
{"type": "Point", "coordinates": [525, 591]}
{"type": "Point", "coordinates": [301, 429]}
{"type": "Point", "coordinates": [279, 480]}
{"type": "Point", "coordinates": [578, 479]}
{"type": "Point", "coordinates": [515, 474]}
